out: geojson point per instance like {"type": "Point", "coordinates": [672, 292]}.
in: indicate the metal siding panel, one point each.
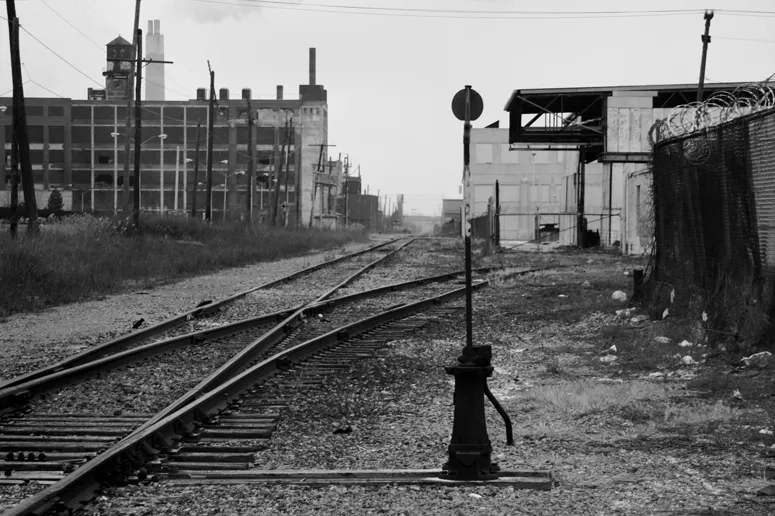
{"type": "Point", "coordinates": [635, 130]}
{"type": "Point", "coordinates": [612, 138]}
{"type": "Point", "coordinates": [623, 121]}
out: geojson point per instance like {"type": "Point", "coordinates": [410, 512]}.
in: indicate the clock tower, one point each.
{"type": "Point", "coordinates": [119, 64]}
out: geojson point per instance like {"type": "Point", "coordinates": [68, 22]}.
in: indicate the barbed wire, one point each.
{"type": "Point", "coordinates": [721, 107]}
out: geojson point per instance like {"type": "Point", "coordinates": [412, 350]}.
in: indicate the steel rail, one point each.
{"type": "Point", "coordinates": [129, 339]}
{"type": "Point", "coordinates": [19, 394]}
{"type": "Point", "coordinates": [150, 439]}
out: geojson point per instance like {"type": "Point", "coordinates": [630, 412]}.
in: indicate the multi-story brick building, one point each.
{"type": "Point", "coordinates": [77, 146]}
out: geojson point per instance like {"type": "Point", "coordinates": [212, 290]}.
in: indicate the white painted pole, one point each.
{"type": "Point", "coordinates": [177, 172]}
{"type": "Point", "coordinates": [225, 177]}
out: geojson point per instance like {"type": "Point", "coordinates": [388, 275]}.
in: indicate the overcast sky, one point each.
{"type": "Point", "coordinates": [391, 75]}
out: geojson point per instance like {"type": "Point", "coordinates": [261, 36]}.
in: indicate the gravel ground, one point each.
{"type": "Point", "coordinates": [619, 455]}
{"type": "Point", "coordinates": [606, 460]}
{"type": "Point", "coordinates": [33, 340]}
{"type": "Point", "coordinates": [145, 387]}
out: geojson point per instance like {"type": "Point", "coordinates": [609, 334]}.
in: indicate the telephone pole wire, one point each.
{"type": "Point", "coordinates": [129, 99]}
{"type": "Point", "coordinates": [210, 124]}
{"type": "Point", "coordinates": [20, 121]}
{"type": "Point", "coordinates": [138, 128]}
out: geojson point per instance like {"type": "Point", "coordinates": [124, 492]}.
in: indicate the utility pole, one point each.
{"type": "Point", "coordinates": [14, 184]}
{"type": "Point", "coordinates": [138, 127]}
{"type": "Point", "coordinates": [196, 170]}
{"type": "Point", "coordinates": [129, 99]}
{"type": "Point", "coordinates": [315, 182]}
{"type": "Point", "coordinates": [346, 192]}
{"type": "Point", "coordinates": [20, 122]}
{"type": "Point", "coordinates": [211, 122]}
{"type": "Point", "coordinates": [292, 141]}
{"type": "Point", "coordinates": [278, 171]}
{"type": "Point", "coordinates": [291, 137]}
{"type": "Point", "coordinates": [251, 150]}
{"type": "Point", "coordinates": [705, 42]}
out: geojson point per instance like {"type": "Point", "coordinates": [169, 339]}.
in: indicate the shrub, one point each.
{"type": "Point", "coordinates": [55, 201]}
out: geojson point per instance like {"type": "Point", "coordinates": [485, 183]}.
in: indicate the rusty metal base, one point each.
{"type": "Point", "coordinates": [519, 479]}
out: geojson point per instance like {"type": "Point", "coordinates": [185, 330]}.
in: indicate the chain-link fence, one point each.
{"type": "Point", "coordinates": [714, 210]}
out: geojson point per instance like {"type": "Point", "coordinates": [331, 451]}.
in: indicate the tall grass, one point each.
{"type": "Point", "coordinates": [82, 256]}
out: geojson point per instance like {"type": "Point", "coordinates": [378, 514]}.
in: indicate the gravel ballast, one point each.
{"type": "Point", "coordinates": [33, 340]}
{"type": "Point", "coordinates": [628, 459]}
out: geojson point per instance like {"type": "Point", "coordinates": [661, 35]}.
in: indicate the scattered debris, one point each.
{"type": "Point", "coordinates": [758, 360]}
{"type": "Point", "coordinates": [612, 349]}
{"type": "Point", "coordinates": [639, 319]}
{"type": "Point", "coordinates": [586, 284]}
{"type": "Point", "coordinates": [562, 295]}
{"type": "Point", "coordinates": [608, 359]}
{"type": "Point", "coordinates": [138, 323]}
{"type": "Point", "coordinates": [343, 429]}
{"type": "Point", "coordinates": [626, 273]}
{"type": "Point", "coordinates": [665, 313]}
{"type": "Point", "coordinates": [663, 340]}
{"type": "Point", "coordinates": [474, 495]}
{"type": "Point", "coordinates": [204, 303]}
{"type": "Point", "coordinates": [766, 491]}
{"type": "Point", "coordinates": [619, 296]}
{"type": "Point", "coordinates": [704, 317]}
{"type": "Point", "coordinates": [685, 344]}
{"type": "Point", "coordinates": [736, 394]}
{"type": "Point", "coordinates": [688, 361]}
{"type": "Point", "coordinates": [624, 313]}
{"type": "Point", "coordinates": [765, 431]}
{"type": "Point", "coordinates": [672, 296]}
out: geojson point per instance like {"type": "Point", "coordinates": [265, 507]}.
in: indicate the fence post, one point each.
{"type": "Point", "coordinates": [497, 213]}
{"type": "Point", "coordinates": [488, 231]}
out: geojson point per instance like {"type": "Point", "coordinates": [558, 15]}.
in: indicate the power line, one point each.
{"type": "Point", "coordinates": [60, 57]}
{"type": "Point", "coordinates": [99, 47]}
{"type": "Point", "coordinates": [48, 90]}
{"type": "Point", "coordinates": [104, 23]}
{"type": "Point", "coordinates": [470, 13]}
{"type": "Point", "coordinates": [482, 15]}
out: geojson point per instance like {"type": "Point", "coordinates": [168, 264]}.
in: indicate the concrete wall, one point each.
{"type": "Point", "coordinates": [529, 184]}
{"type": "Point", "coordinates": [314, 126]}
{"type": "Point", "coordinates": [629, 117]}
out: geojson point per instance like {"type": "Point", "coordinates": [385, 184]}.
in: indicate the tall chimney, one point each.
{"type": "Point", "coordinates": [312, 66]}
{"type": "Point", "coordinates": [150, 26]}
{"type": "Point", "coordinates": [279, 92]}
{"type": "Point", "coordinates": [157, 26]}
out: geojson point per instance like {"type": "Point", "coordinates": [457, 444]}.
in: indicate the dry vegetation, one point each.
{"type": "Point", "coordinates": [81, 256]}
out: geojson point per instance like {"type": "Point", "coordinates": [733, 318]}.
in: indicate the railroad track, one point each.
{"type": "Point", "coordinates": [200, 314]}
{"type": "Point", "coordinates": [182, 440]}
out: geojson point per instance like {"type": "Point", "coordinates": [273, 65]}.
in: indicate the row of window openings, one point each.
{"type": "Point", "coordinates": [56, 156]}
{"type": "Point", "coordinates": [84, 177]}
{"type": "Point", "coordinates": [484, 155]}
{"type": "Point", "coordinates": [174, 135]}
{"type": "Point", "coordinates": [172, 114]}
{"type": "Point", "coordinates": [148, 113]}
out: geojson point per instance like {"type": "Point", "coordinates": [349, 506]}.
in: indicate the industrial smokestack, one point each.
{"type": "Point", "coordinates": [312, 66]}
{"type": "Point", "coordinates": [279, 92]}
{"type": "Point", "coordinates": [156, 26]}
{"type": "Point", "coordinates": [150, 26]}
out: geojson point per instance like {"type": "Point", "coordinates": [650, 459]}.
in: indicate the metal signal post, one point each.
{"type": "Point", "coordinates": [467, 215]}
{"type": "Point", "coordinates": [470, 449]}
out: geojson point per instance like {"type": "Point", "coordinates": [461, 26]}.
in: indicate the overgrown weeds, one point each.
{"type": "Point", "coordinates": [81, 256]}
